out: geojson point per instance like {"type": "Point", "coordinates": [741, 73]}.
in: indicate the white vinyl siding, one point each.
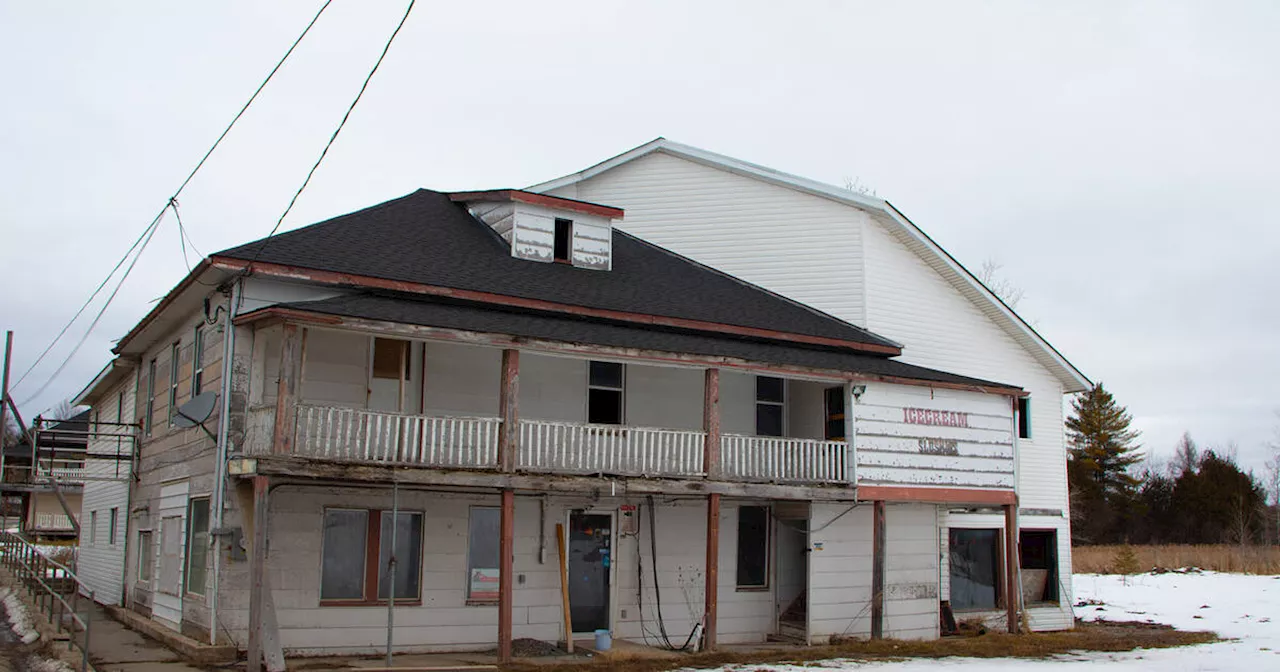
{"type": "Point", "coordinates": [101, 566]}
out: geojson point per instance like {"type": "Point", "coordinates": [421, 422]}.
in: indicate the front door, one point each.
{"type": "Point", "coordinates": [166, 603]}
{"type": "Point", "coordinates": [590, 559]}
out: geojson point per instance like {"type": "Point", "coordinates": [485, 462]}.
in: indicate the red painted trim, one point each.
{"type": "Point", "coordinates": [538, 199]}
{"type": "Point", "coordinates": [895, 493]}
{"type": "Point", "coordinates": [285, 314]}
{"type": "Point", "coordinates": [335, 278]}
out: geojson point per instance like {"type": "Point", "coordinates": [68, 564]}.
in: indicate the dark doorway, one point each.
{"type": "Point", "coordinates": [833, 398]}
{"type": "Point", "coordinates": [590, 559]}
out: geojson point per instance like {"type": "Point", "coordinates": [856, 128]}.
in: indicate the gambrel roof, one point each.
{"type": "Point", "coordinates": [916, 240]}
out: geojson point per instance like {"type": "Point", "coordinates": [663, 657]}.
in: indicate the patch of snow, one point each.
{"type": "Point", "coordinates": [1243, 608]}
{"type": "Point", "coordinates": [19, 618]}
{"type": "Point", "coordinates": [38, 664]}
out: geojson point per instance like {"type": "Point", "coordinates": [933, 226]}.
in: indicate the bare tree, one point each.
{"type": "Point", "coordinates": [989, 275]}
{"type": "Point", "coordinates": [63, 411]}
{"type": "Point", "coordinates": [1186, 456]}
{"type": "Point", "coordinates": [1273, 480]}
{"type": "Point", "coordinates": [857, 186]}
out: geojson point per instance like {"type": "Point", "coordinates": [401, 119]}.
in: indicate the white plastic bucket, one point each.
{"type": "Point", "coordinates": [604, 641]}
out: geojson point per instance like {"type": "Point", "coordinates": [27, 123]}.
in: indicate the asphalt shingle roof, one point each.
{"type": "Point", "coordinates": [427, 238]}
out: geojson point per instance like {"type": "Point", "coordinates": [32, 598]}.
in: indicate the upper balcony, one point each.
{"type": "Point", "coordinates": [363, 399]}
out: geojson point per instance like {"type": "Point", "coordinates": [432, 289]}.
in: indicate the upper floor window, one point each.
{"type": "Point", "coordinates": [197, 360]}
{"type": "Point", "coordinates": [604, 393]}
{"type": "Point", "coordinates": [564, 240]}
{"type": "Point", "coordinates": [149, 415]}
{"type": "Point", "coordinates": [770, 401]}
{"type": "Point", "coordinates": [174, 363]}
{"type": "Point", "coordinates": [1024, 417]}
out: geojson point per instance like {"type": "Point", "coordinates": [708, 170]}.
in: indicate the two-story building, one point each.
{"type": "Point", "coordinates": [424, 405]}
{"type": "Point", "coordinates": [857, 257]}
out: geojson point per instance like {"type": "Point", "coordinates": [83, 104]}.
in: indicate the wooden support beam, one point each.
{"type": "Point", "coordinates": [287, 390]}
{"type": "Point", "coordinates": [1011, 592]}
{"type": "Point", "coordinates": [711, 423]}
{"type": "Point", "coordinates": [713, 572]}
{"type": "Point", "coordinates": [264, 632]}
{"type": "Point", "coordinates": [506, 581]}
{"type": "Point", "coordinates": [509, 410]}
{"type": "Point", "coordinates": [877, 569]}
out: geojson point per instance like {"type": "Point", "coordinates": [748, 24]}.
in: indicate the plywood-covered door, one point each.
{"type": "Point", "coordinates": [166, 605]}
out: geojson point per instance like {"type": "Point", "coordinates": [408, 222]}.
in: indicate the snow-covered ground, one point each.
{"type": "Point", "coordinates": [1243, 608]}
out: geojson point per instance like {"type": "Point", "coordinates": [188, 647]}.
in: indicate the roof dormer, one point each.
{"type": "Point", "coordinates": [548, 229]}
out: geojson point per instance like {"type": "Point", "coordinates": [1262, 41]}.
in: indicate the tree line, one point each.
{"type": "Point", "coordinates": [1200, 497]}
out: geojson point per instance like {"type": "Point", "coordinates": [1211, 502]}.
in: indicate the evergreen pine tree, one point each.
{"type": "Point", "coordinates": [1102, 451]}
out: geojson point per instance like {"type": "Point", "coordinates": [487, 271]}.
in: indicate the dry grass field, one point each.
{"type": "Point", "coordinates": [1220, 558]}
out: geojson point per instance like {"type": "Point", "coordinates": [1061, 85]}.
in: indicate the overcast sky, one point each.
{"type": "Point", "coordinates": [1118, 159]}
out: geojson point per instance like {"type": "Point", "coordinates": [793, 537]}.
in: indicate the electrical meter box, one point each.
{"type": "Point", "coordinates": [628, 519]}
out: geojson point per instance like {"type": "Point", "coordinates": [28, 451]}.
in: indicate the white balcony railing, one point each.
{"type": "Point", "coordinates": [783, 460]}
{"type": "Point", "coordinates": [570, 447]}
{"type": "Point", "coordinates": [62, 471]}
{"type": "Point", "coordinates": [53, 522]}
{"type": "Point", "coordinates": [357, 435]}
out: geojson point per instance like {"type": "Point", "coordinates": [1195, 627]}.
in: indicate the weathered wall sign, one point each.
{"type": "Point", "coordinates": [925, 416]}
{"type": "Point", "coordinates": [939, 446]}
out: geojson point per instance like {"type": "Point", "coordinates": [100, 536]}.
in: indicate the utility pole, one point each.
{"type": "Point", "coordinates": [4, 417]}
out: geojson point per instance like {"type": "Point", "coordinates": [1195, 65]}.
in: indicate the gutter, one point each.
{"type": "Point", "coordinates": [220, 453]}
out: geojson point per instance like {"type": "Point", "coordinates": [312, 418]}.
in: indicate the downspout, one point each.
{"type": "Point", "coordinates": [220, 457]}
{"type": "Point", "coordinates": [1017, 521]}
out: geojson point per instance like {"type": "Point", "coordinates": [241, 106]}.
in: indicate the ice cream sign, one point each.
{"type": "Point", "coordinates": [926, 416]}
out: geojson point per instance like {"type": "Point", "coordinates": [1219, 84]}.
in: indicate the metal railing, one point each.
{"type": "Point", "coordinates": [357, 435]}
{"type": "Point", "coordinates": [572, 447]}
{"type": "Point", "coordinates": [767, 459]}
{"type": "Point", "coordinates": [41, 576]}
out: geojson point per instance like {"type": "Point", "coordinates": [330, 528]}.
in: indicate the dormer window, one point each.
{"type": "Point", "coordinates": [563, 241]}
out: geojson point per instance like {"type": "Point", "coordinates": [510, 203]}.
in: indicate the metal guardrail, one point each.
{"type": "Point", "coordinates": [40, 576]}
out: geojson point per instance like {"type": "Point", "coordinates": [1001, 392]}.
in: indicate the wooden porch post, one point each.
{"type": "Point", "coordinates": [505, 579]}
{"type": "Point", "coordinates": [509, 410]}
{"type": "Point", "coordinates": [711, 423]}
{"type": "Point", "coordinates": [258, 572]}
{"type": "Point", "coordinates": [1011, 565]}
{"type": "Point", "coordinates": [713, 571]}
{"type": "Point", "coordinates": [877, 569]}
{"type": "Point", "coordinates": [287, 390]}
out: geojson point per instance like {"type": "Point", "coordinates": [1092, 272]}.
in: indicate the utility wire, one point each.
{"type": "Point", "coordinates": [262, 248]}
{"type": "Point", "coordinates": [150, 229]}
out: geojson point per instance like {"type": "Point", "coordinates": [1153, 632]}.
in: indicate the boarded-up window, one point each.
{"type": "Point", "coordinates": [146, 556]}
{"type": "Point", "coordinates": [342, 568]}
{"type": "Point", "coordinates": [770, 402]}
{"type": "Point", "coordinates": [170, 555]}
{"type": "Point", "coordinates": [482, 553]}
{"type": "Point", "coordinates": [753, 547]}
{"type": "Point", "coordinates": [390, 372]}
{"type": "Point", "coordinates": [974, 559]}
{"type": "Point", "coordinates": [604, 393]}
{"type": "Point", "coordinates": [197, 545]}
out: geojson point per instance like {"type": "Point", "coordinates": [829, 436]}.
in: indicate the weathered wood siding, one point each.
{"type": "Point", "coordinates": [840, 571]}
{"type": "Point", "coordinates": [908, 435]}
{"type": "Point", "coordinates": [100, 564]}
{"type": "Point", "coordinates": [532, 236]}
{"type": "Point", "coordinates": [444, 620]}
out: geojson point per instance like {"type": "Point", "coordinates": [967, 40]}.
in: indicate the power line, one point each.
{"type": "Point", "coordinates": [334, 137]}
{"type": "Point", "coordinates": [150, 228]}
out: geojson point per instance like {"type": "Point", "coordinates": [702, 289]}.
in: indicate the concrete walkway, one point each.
{"type": "Point", "coordinates": [115, 648]}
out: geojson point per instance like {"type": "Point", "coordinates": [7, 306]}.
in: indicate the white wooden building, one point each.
{"type": "Point", "coordinates": [728, 465]}
{"type": "Point", "coordinates": [859, 258]}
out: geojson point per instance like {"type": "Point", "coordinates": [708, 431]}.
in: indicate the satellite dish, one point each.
{"type": "Point", "coordinates": [197, 410]}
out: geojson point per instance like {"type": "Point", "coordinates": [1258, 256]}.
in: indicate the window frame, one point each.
{"type": "Point", "coordinates": [565, 225]}
{"type": "Point", "coordinates": [621, 389]}
{"type": "Point", "coordinates": [1052, 584]}
{"type": "Point", "coordinates": [197, 360]}
{"type": "Point", "coordinates": [782, 406]}
{"type": "Point", "coordinates": [372, 559]}
{"type": "Point", "coordinates": [111, 526]}
{"type": "Point", "coordinates": [149, 416]}
{"type": "Point", "coordinates": [93, 527]}
{"type": "Point", "coordinates": [145, 561]}
{"type": "Point", "coordinates": [188, 543]}
{"type": "Point", "coordinates": [471, 600]}
{"type": "Point", "coordinates": [1024, 417]}
{"type": "Point", "coordinates": [768, 551]}
{"type": "Point", "coordinates": [175, 362]}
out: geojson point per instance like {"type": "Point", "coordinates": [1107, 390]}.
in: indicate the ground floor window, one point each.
{"type": "Point", "coordinates": [483, 554]}
{"type": "Point", "coordinates": [1039, 550]}
{"type": "Point", "coordinates": [356, 554]}
{"type": "Point", "coordinates": [93, 527]}
{"type": "Point", "coordinates": [974, 557]}
{"type": "Point", "coordinates": [197, 550]}
{"type": "Point", "coordinates": [145, 557]}
{"type": "Point", "coordinates": [753, 547]}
